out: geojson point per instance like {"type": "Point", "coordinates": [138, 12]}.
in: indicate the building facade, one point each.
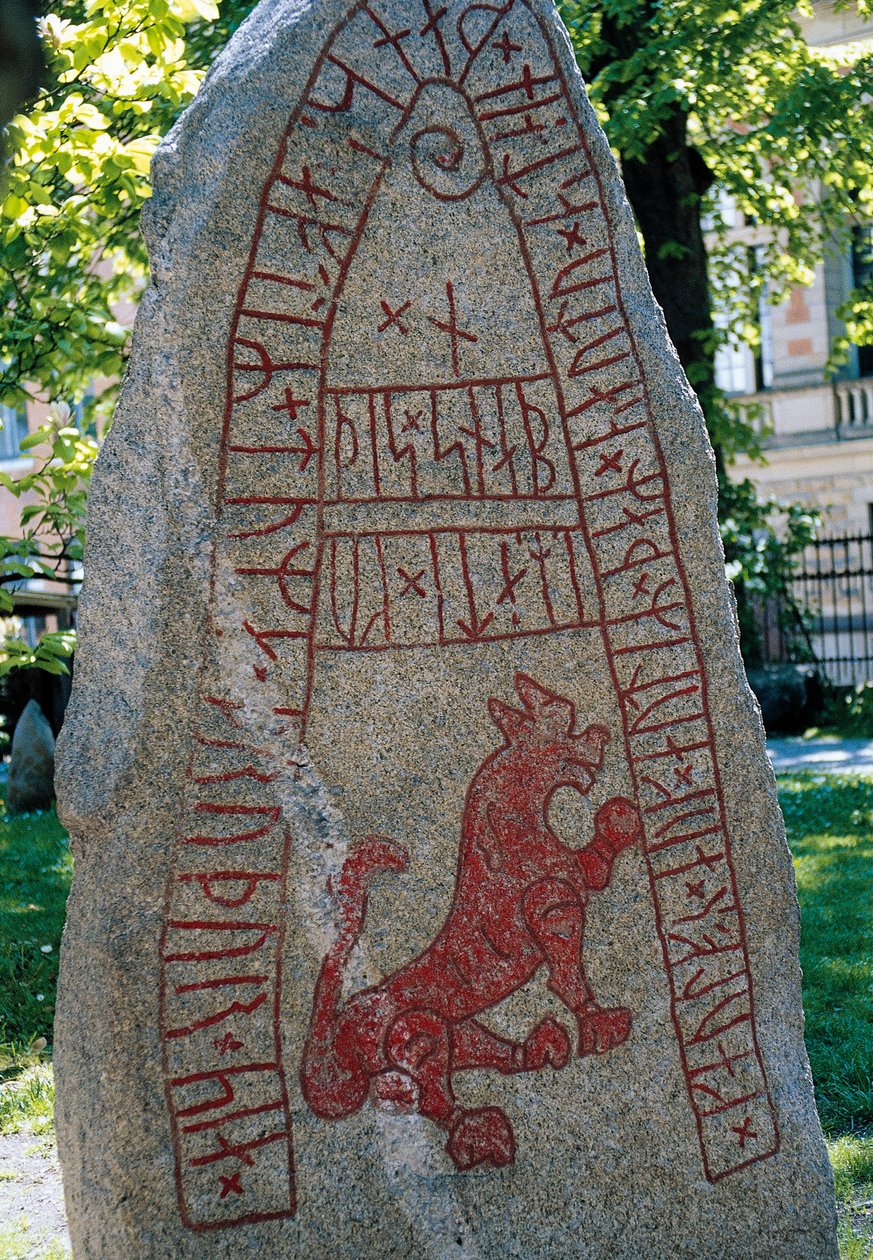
{"type": "Point", "coordinates": [819, 448]}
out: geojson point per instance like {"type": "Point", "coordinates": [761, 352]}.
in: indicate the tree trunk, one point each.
{"type": "Point", "coordinates": [21, 59]}
{"type": "Point", "coordinates": [664, 187]}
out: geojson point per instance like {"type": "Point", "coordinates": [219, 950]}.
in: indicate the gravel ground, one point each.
{"type": "Point", "coordinates": [30, 1190]}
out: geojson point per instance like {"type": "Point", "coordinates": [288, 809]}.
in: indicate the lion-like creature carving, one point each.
{"type": "Point", "coordinates": [519, 904]}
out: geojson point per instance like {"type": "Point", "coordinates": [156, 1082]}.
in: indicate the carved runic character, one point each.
{"type": "Point", "coordinates": [451, 326]}
{"type": "Point", "coordinates": [291, 404]}
{"type": "Point", "coordinates": [389, 40]}
{"type": "Point", "coordinates": [413, 583]}
{"type": "Point", "coordinates": [393, 319]}
{"type": "Point", "coordinates": [434, 17]}
{"type": "Point", "coordinates": [573, 236]}
{"type": "Point", "coordinates": [231, 1185]}
{"type": "Point", "coordinates": [413, 421]}
{"type": "Point", "coordinates": [224, 1045]}
{"type": "Point", "coordinates": [745, 1132]}
{"type": "Point", "coordinates": [506, 46]}
{"type": "Point", "coordinates": [310, 189]}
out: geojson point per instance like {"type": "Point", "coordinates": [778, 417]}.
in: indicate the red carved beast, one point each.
{"type": "Point", "coordinates": [519, 904]}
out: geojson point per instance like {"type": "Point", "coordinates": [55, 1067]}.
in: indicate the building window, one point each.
{"type": "Point", "coordinates": [764, 352]}
{"type": "Point", "coordinates": [14, 421]}
{"type": "Point", "coordinates": [732, 363]}
{"type": "Point", "coordinates": [764, 356]}
{"type": "Point", "coordinates": [862, 276]}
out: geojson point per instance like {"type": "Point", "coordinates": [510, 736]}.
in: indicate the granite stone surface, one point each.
{"type": "Point", "coordinates": [431, 893]}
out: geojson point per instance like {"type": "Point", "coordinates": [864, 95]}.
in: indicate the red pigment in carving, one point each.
{"type": "Point", "coordinates": [519, 904]}
{"type": "Point", "coordinates": [280, 349]}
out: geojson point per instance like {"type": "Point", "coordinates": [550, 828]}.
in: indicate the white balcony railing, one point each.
{"type": "Point", "coordinates": [854, 404]}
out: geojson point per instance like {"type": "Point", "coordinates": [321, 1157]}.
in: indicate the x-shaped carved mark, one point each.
{"type": "Point", "coordinates": [573, 236]}
{"type": "Point", "coordinates": [394, 317]}
{"type": "Point", "coordinates": [434, 19]}
{"type": "Point", "coordinates": [413, 419]}
{"type": "Point", "coordinates": [413, 584]}
{"type": "Point", "coordinates": [684, 775]}
{"type": "Point", "coordinates": [231, 1185]}
{"type": "Point", "coordinates": [610, 463]}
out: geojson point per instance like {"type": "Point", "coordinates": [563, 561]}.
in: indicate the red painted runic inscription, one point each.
{"type": "Point", "coordinates": [519, 904]}
{"type": "Point", "coordinates": [507, 484]}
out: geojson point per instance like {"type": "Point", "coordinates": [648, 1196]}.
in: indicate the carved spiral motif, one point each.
{"type": "Point", "coordinates": [444, 165]}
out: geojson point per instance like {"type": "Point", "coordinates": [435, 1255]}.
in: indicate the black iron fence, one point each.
{"type": "Point", "coordinates": [828, 616]}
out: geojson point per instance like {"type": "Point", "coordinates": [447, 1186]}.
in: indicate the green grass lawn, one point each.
{"type": "Point", "coordinates": [830, 829]}
{"type": "Point", "coordinates": [829, 821]}
{"type": "Point", "coordinates": [35, 873]}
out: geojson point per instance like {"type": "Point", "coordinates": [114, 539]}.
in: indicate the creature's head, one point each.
{"type": "Point", "coordinates": [540, 737]}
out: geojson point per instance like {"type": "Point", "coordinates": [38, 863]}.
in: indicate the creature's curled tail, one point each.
{"type": "Point", "coordinates": [335, 1084]}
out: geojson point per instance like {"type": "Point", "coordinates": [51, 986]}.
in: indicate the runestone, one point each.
{"type": "Point", "coordinates": [431, 896]}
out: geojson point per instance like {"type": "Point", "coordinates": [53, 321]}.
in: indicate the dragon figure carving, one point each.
{"type": "Point", "coordinates": [519, 904]}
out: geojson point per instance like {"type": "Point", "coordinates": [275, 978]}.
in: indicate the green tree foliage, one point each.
{"type": "Point", "coordinates": [71, 256]}
{"type": "Point", "coordinates": [695, 95]}
{"type": "Point", "coordinates": [702, 97]}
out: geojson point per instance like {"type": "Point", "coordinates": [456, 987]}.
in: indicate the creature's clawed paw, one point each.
{"type": "Point", "coordinates": [547, 1045]}
{"type": "Point", "coordinates": [600, 1031]}
{"type": "Point", "coordinates": [483, 1136]}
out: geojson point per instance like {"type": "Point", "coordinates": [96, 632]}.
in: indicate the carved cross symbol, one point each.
{"type": "Point", "coordinates": [394, 317]}
{"type": "Point", "coordinates": [506, 46]}
{"type": "Point", "coordinates": [291, 404]}
{"type": "Point", "coordinates": [451, 327]}
{"type": "Point", "coordinates": [412, 421]}
{"type": "Point", "coordinates": [226, 1043]}
{"type": "Point", "coordinates": [744, 1132]}
{"type": "Point", "coordinates": [434, 19]}
{"type": "Point", "coordinates": [309, 188]}
{"type": "Point", "coordinates": [413, 584]}
{"type": "Point", "coordinates": [610, 463]}
{"type": "Point", "coordinates": [393, 40]}
{"type": "Point", "coordinates": [572, 235]}
{"type": "Point", "coordinates": [684, 775]}
{"type": "Point", "coordinates": [527, 82]}
{"type": "Point", "coordinates": [231, 1185]}
{"type": "Point", "coordinates": [696, 890]}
